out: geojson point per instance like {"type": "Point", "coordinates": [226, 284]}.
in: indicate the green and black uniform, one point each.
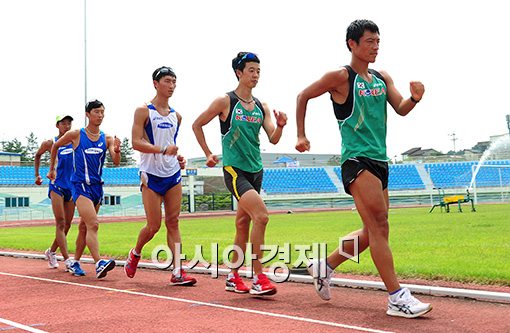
{"type": "Point", "coordinates": [362, 122]}
{"type": "Point", "coordinates": [242, 163]}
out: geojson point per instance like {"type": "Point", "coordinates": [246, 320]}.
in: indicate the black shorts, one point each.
{"type": "Point", "coordinates": [354, 166]}
{"type": "Point", "coordinates": [239, 182]}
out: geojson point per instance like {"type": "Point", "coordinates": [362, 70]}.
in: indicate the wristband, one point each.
{"type": "Point", "coordinates": [415, 101]}
{"type": "Point", "coordinates": [163, 150]}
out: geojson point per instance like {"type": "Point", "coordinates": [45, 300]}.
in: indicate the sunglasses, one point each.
{"type": "Point", "coordinates": [247, 56]}
{"type": "Point", "coordinates": [164, 71]}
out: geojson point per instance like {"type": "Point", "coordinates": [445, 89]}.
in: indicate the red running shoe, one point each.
{"type": "Point", "coordinates": [236, 284]}
{"type": "Point", "coordinates": [131, 264]}
{"type": "Point", "coordinates": [182, 279]}
{"type": "Point", "coordinates": [263, 287]}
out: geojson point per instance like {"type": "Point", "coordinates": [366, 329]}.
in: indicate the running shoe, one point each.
{"type": "Point", "coordinates": [182, 279]}
{"type": "Point", "coordinates": [320, 281]}
{"type": "Point", "coordinates": [262, 287]}
{"type": "Point", "coordinates": [131, 264]}
{"type": "Point", "coordinates": [103, 267]}
{"type": "Point", "coordinates": [235, 283]}
{"type": "Point", "coordinates": [52, 258]}
{"type": "Point", "coordinates": [75, 269]}
{"type": "Point", "coordinates": [68, 263]}
{"type": "Point", "coordinates": [406, 305]}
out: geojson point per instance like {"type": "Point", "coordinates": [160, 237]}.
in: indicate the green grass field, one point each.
{"type": "Point", "coordinates": [467, 247]}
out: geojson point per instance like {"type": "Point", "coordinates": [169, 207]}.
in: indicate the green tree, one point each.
{"type": "Point", "coordinates": [14, 146]}
{"type": "Point", "coordinates": [32, 147]}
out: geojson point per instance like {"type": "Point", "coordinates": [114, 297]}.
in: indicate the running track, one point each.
{"type": "Point", "coordinates": [35, 298]}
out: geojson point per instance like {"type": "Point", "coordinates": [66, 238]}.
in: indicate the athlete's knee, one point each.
{"type": "Point", "coordinates": [380, 226]}
{"type": "Point", "coordinates": [172, 222]}
{"type": "Point", "coordinates": [92, 226]}
{"type": "Point", "coordinates": [261, 218]}
{"type": "Point", "coordinates": [153, 229]}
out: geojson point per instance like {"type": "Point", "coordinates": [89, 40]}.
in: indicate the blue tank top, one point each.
{"type": "Point", "coordinates": [64, 166]}
{"type": "Point", "coordinates": [89, 159]}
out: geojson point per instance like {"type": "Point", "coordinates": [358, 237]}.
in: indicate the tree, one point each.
{"type": "Point", "coordinates": [14, 146]}
{"type": "Point", "coordinates": [32, 147]}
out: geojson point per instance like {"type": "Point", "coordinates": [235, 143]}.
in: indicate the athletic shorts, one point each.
{"type": "Point", "coordinates": [160, 185]}
{"type": "Point", "coordinates": [63, 192]}
{"type": "Point", "coordinates": [354, 166]}
{"type": "Point", "coordinates": [239, 182]}
{"type": "Point", "coordinates": [93, 191]}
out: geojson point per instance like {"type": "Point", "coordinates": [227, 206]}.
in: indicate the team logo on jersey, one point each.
{"type": "Point", "coordinates": [93, 151]}
{"type": "Point", "coordinates": [165, 125]}
{"type": "Point", "coordinates": [361, 85]}
{"type": "Point", "coordinates": [100, 144]}
{"type": "Point", "coordinates": [372, 92]}
{"type": "Point", "coordinates": [65, 151]}
{"type": "Point", "coordinates": [239, 111]}
{"type": "Point", "coordinates": [249, 119]}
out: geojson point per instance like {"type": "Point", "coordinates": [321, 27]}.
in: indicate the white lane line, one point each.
{"type": "Point", "coordinates": [21, 326]}
{"type": "Point", "coordinates": [183, 300]}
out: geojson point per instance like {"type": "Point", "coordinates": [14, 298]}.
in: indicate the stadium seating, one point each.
{"type": "Point", "coordinates": [17, 175]}
{"type": "Point", "coordinates": [459, 174]}
{"type": "Point", "coordinates": [297, 180]}
{"type": "Point", "coordinates": [312, 179]}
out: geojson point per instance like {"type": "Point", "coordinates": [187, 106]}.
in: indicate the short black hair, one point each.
{"type": "Point", "coordinates": [239, 62]}
{"type": "Point", "coordinates": [357, 28]}
{"type": "Point", "coordinates": [163, 71]}
{"type": "Point", "coordinates": [94, 104]}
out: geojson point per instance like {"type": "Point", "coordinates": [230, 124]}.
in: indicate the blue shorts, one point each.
{"type": "Point", "coordinates": [93, 191]}
{"type": "Point", "coordinates": [160, 185]}
{"type": "Point", "coordinates": [63, 192]}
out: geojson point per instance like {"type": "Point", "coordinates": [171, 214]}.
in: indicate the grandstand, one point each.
{"type": "Point", "coordinates": [282, 187]}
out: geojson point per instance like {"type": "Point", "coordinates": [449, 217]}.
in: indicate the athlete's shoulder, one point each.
{"type": "Point", "coordinates": [382, 74]}
{"type": "Point", "coordinates": [338, 76]}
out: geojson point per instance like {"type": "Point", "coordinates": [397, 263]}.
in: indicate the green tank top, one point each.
{"type": "Point", "coordinates": [362, 118]}
{"type": "Point", "coordinates": [240, 136]}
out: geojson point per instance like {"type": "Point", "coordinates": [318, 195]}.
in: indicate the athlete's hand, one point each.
{"type": "Point", "coordinates": [281, 118]}
{"type": "Point", "coordinates": [212, 160]}
{"type": "Point", "coordinates": [116, 144]}
{"type": "Point", "coordinates": [182, 161]}
{"type": "Point", "coordinates": [52, 174]}
{"type": "Point", "coordinates": [417, 89]}
{"type": "Point", "coordinates": [38, 180]}
{"type": "Point", "coordinates": [302, 144]}
{"type": "Point", "coordinates": [171, 150]}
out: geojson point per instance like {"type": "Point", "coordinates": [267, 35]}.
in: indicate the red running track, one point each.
{"type": "Point", "coordinates": [51, 300]}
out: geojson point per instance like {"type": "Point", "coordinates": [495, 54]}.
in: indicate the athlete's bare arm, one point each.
{"type": "Point", "coordinates": [45, 146]}
{"type": "Point", "coordinates": [274, 133]}
{"type": "Point", "coordinates": [398, 103]}
{"type": "Point", "coordinates": [334, 82]}
{"type": "Point", "coordinates": [113, 144]}
{"type": "Point", "coordinates": [219, 107]}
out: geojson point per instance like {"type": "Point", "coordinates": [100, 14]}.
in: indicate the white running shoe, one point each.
{"type": "Point", "coordinates": [407, 306]}
{"type": "Point", "coordinates": [52, 258]}
{"type": "Point", "coordinates": [321, 278]}
{"type": "Point", "coordinates": [68, 262]}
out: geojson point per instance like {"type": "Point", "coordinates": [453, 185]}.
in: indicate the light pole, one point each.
{"type": "Point", "coordinates": [85, 54]}
{"type": "Point", "coordinates": [454, 139]}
